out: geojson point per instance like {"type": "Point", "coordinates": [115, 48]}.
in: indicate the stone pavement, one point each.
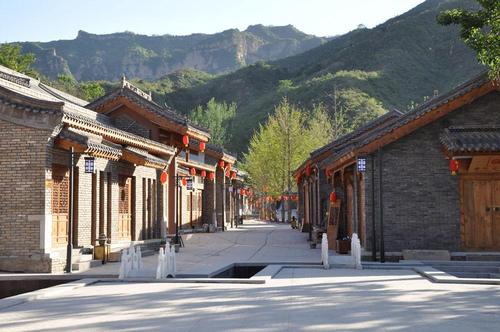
{"type": "Point", "coordinates": [253, 242]}
{"type": "Point", "coordinates": [297, 299]}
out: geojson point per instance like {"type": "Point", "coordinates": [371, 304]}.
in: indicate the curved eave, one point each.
{"type": "Point", "coordinates": [118, 136]}
{"type": "Point", "coordinates": [196, 165]}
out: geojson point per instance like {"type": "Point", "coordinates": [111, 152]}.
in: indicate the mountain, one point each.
{"type": "Point", "coordinates": [397, 63]}
{"type": "Point", "coordinates": [108, 57]}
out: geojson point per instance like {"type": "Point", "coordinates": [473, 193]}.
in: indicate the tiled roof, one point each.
{"type": "Point", "coordinates": [428, 107]}
{"type": "Point", "coordinates": [413, 115]}
{"type": "Point", "coordinates": [136, 98]}
{"type": "Point", "coordinates": [359, 132]}
{"type": "Point", "coordinates": [149, 158]}
{"type": "Point", "coordinates": [22, 90]}
{"type": "Point", "coordinates": [94, 144]}
{"type": "Point", "coordinates": [471, 139]}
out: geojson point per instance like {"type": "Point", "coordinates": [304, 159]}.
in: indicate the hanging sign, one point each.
{"type": "Point", "coordinates": [89, 165]}
{"type": "Point", "coordinates": [361, 164]}
{"type": "Point", "coordinates": [189, 184]}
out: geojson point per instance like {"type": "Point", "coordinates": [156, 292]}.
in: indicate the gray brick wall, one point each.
{"type": "Point", "coordinates": [420, 197]}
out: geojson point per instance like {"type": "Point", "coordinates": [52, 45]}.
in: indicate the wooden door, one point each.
{"type": "Point", "coordinates": [481, 214]}
{"type": "Point", "coordinates": [125, 208]}
{"type": "Point", "coordinates": [60, 206]}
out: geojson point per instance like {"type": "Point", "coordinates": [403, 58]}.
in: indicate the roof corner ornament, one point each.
{"type": "Point", "coordinates": [124, 80]}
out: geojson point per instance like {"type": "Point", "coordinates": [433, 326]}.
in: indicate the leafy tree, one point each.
{"type": "Point", "coordinates": [91, 90]}
{"type": "Point", "coordinates": [217, 118]}
{"type": "Point", "coordinates": [480, 31]}
{"type": "Point", "coordinates": [282, 144]}
{"type": "Point", "coordinates": [11, 57]}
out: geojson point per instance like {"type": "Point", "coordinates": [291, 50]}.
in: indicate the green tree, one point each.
{"type": "Point", "coordinates": [280, 145]}
{"type": "Point", "coordinates": [217, 118]}
{"type": "Point", "coordinates": [480, 30]}
{"type": "Point", "coordinates": [356, 108]}
{"type": "Point", "coordinates": [11, 57]}
{"type": "Point", "coordinates": [91, 90]}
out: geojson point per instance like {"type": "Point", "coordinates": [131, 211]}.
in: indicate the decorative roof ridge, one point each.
{"type": "Point", "coordinates": [130, 86]}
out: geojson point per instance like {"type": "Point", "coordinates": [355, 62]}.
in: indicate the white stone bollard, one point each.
{"type": "Point", "coordinates": [140, 263]}
{"type": "Point", "coordinates": [160, 265]}
{"type": "Point", "coordinates": [324, 251]}
{"type": "Point", "coordinates": [135, 259]}
{"type": "Point", "coordinates": [356, 251]}
{"type": "Point", "coordinates": [123, 265]}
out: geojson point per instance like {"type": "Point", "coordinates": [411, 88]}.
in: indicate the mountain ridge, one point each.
{"type": "Point", "coordinates": [107, 56]}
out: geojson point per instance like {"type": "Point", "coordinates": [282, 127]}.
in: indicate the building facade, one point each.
{"type": "Point", "coordinates": [138, 173]}
{"type": "Point", "coordinates": [393, 184]}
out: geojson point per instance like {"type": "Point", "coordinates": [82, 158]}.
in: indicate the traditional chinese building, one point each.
{"type": "Point", "coordinates": [139, 170]}
{"type": "Point", "coordinates": [392, 180]}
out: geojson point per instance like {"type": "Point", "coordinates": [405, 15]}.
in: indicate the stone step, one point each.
{"type": "Point", "coordinates": [470, 269]}
{"type": "Point", "coordinates": [86, 265]}
{"type": "Point", "coordinates": [461, 263]}
{"type": "Point", "coordinates": [471, 274]}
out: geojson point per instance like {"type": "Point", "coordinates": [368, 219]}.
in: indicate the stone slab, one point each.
{"type": "Point", "coordinates": [427, 255]}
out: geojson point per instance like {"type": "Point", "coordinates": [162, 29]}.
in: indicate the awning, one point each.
{"type": "Point", "coordinates": [142, 157]}
{"type": "Point", "coordinates": [88, 144]}
{"type": "Point", "coordinates": [471, 139]}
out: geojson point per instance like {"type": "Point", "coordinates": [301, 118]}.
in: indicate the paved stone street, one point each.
{"type": "Point", "coordinates": [297, 299]}
{"type": "Point", "coordinates": [255, 241]}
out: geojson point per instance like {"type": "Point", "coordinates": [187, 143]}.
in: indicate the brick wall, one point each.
{"type": "Point", "coordinates": [420, 197]}
{"type": "Point", "coordinates": [22, 186]}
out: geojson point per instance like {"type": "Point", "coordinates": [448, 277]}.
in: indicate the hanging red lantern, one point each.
{"type": "Point", "coordinates": [192, 171]}
{"type": "Point", "coordinates": [203, 173]}
{"type": "Point", "coordinates": [211, 176]}
{"type": "Point", "coordinates": [185, 140]}
{"type": "Point", "coordinates": [333, 197]}
{"type": "Point", "coordinates": [221, 163]}
{"type": "Point", "coordinates": [233, 175]}
{"type": "Point", "coordinates": [163, 177]}
{"type": "Point", "coordinates": [202, 146]}
{"type": "Point", "coordinates": [453, 166]}
{"type": "Point", "coordinates": [184, 182]}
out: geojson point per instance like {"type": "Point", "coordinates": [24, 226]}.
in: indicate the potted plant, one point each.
{"type": "Point", "coordinates": [344, 245]}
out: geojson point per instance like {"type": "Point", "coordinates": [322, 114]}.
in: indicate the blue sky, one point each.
{"type": "Point", "coordinates": [44, 20]}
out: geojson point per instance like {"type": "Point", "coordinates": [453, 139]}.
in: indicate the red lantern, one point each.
{"type": "Point", "coordinates": [211, 176]}
{"type": "Point", "coordinates": [453, 166]}
{"type": "Point", "coordinates": [193, 171]}
{"type": "Point", "coordinates": [333, 197]}
{"type": "Point", "coordinates": [203, 174]}
{"type": "Point", "coordinates": [285, 197]}
{"type": "Point", "coordinates": [221, 163]}
{"type": "Point", "coordinates": [163, 177]}
{"type": "Point", "coordinates": [184, 182]}
{"type": "Point", "coordinates": [233, 175]}
{"type": "Point", "coordinates": [202, 146]}
{"type": "Point", "coordinates": [185, 140]}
